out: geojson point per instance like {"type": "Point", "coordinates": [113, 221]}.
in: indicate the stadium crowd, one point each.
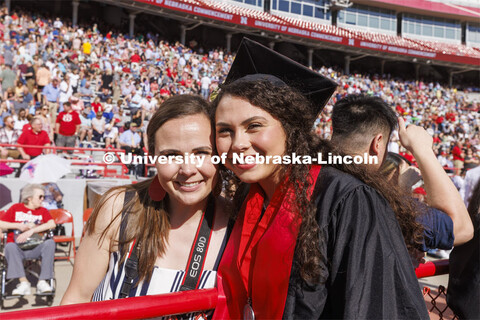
{"type": "Point", "coordinates": [446, 113]}
{"type": "Point", "coordinates": [93, 88]}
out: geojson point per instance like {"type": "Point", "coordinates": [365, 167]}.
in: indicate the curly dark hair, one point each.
{"type": "Point", "coordinates": [296, 115]}
{"type": "Point", "coordinates": [293, 111]}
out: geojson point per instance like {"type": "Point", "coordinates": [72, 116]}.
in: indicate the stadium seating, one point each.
{"type": "Point", "coordinates": [423, 45]}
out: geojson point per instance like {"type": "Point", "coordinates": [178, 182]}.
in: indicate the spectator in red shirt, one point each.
{"type": "Point", "coordinates": [135, 60]}
{"type": "Point", "coordinates": [164, 92]}
{"type": "Point", "coordinates": [439, 123]}
{"type": "Point", "coordinates": [399, 109]}
{"type": "Point", "coordinates": [35, 137]}
{"type": "Point", "coordinates": [66, 128]}
{"type": "Point", "coordinates": [436, 139]}
{"type": "Point", "coordinates": [450, 116]}
{"type": "Point", "coordinates": [97, 105]}
{"type": "Point", "coordinates": [29, 217]}
{"type": "Point", "coordinates": [458, 157]}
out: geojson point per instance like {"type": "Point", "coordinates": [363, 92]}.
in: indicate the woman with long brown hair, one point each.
{"type": "Point", "coordinates": [309, 242]}
{"type": "Point", "coordinates": [155, 222]}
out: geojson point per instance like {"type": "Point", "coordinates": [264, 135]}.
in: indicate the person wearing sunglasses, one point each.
{"type": "Point", "coordinates": [22, 221]}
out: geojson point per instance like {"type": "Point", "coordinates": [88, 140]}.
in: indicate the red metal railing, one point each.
{"type": "Point", "coordinates": [164, 304]}
{"type": "Point", "coordinates": [432, 268]}
{"type": "Point", "coordinates": [435, 298]}
{"type": "Point", "coordinates": [81, 149]}
{"type": "Point", "coordinates": [130, 308]}
{"type": "Point", "coordinates": [106, 172]}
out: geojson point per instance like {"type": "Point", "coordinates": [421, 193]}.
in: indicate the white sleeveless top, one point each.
{"type": "Point", "coordinates": [162, 281]}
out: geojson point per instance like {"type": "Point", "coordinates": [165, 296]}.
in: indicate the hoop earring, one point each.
{"type": "Point", "coordinates": [156, 191]}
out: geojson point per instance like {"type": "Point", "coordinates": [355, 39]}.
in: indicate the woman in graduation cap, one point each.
{"type": "Point", "coordinates": [308, 242]}
{"type": "Point", "coordinates": [141, 238]}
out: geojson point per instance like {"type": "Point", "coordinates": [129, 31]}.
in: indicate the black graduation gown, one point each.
{"type": "Point", "coordinates": [369, 271]}
{"type": "Point", "coordinates": [463, 294]}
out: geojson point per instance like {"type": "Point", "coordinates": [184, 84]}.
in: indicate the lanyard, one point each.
{"type": "Point", "coordinates": [198, 253]}
{"type": "Point", "coordinates": [196, 259]}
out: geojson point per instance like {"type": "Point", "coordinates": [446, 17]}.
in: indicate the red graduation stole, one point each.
{"type": "Point", "coordinates": [258, 258]}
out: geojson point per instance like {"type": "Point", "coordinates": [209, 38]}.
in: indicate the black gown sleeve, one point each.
{"type": "Point", "coordinates": [463, 295]}
{"type": "Point", "coordinates": [368, 272]}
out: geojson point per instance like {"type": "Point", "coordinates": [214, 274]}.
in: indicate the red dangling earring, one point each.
{"type": "Point", "coordinates": [156, 191]}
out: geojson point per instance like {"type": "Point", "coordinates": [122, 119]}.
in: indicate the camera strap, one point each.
{"type": "Point", "coordinates": [131, 271]}
{"type": "Point", "coordinates": [196, 259]}
{"type": "Point", "coordinates": [131, 263]}
{"type": "Point", "coordinates": [198, 253]}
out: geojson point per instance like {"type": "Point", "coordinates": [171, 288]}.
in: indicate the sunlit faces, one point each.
{"type": "Point", "coordinates": [243, 128]}
{"type": "Point", "coordinates": [185, 183]}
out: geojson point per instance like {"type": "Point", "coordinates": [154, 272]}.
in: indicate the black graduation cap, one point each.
{"type": "Point", "coordinates": [257, 62]}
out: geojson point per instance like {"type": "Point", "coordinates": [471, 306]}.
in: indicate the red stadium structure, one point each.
{"type": "Point", "coordinates": [462, 53]}
{"type": "Point", "coordinates": [318, 33]}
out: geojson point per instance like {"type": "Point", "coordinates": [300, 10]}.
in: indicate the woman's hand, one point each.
{"type": "Point", "coordinates": [414, 138]}
{"type": "Point", "coordinates": [23, 226]}
{"type": "Point", "coordinates": [24, 236]}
